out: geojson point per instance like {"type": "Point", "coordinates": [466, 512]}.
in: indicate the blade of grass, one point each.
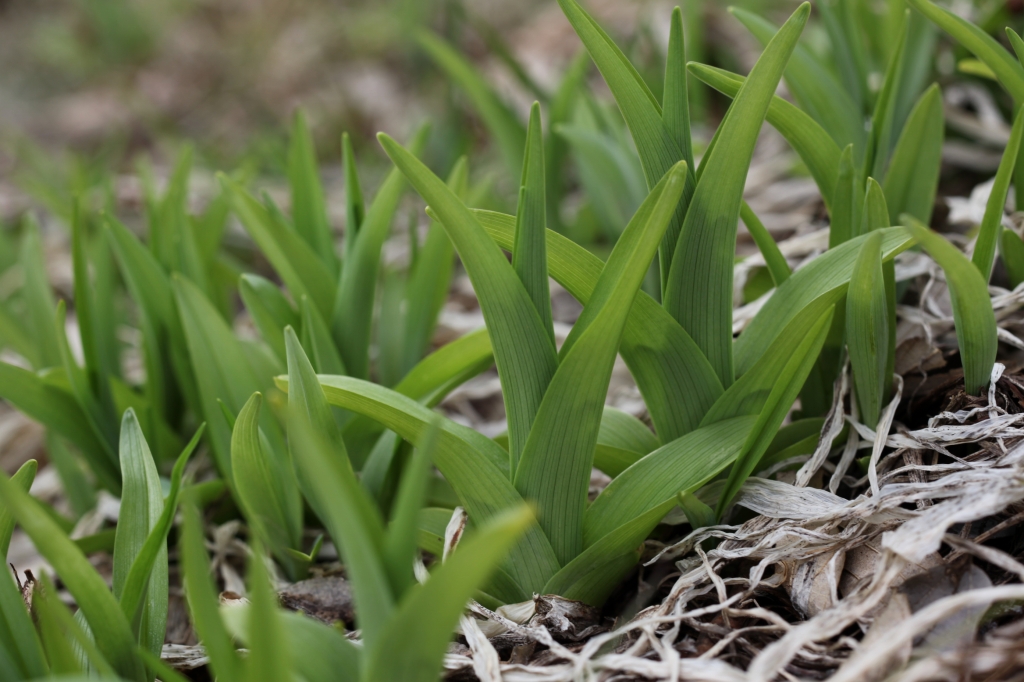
{"type": "Point", "coordinates": [992, 222]}
{"type": "Point", "coordinates": [308, 214]}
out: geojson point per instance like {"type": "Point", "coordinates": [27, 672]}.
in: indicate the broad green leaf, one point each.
{"type": "Point", "coordinates": [913, 174]}
{"type": "Point", "coordinates": [97, 604]}
{"type": "Point", "coordinates": [142, 501]}
{"type": "Point", "coordinates": [623, 439]}
{"type": "Point", "coordinates": [676, 380]}
{"type": "Point", "coordinates": [676, 109]}
{"type": "Point", "coordinates": [592, 575]}
{"type": "Point", "coordinates": [844, 214]}
{"type": "Point", "coordinates": [523, 349]}
{"type": "Point", "coordinates": [817, 91]}
{"type": "Point", "coordinates": [529, 256]}
{"type": "Point", "coordinates": [23, 479]}
{"type": "Point", "coordinates": [785, 389]}
{"type": "Point", "coordinates": [773, 258]}
{"type": "Point", "coordinates": [829, 274]}
{"type": "Point", "coordinates": [698, 514]}
{"type": "Point", "coordinates": [560, 110]}
{"type": "Point", "coordinates": [848, 49]}
{"type": "Point", "coordinates": [69, 646]}
{"type": "Point", "coordinates": [1011, 249]}
{"type": "Point", "coordinates": [507, 130]}
{"type": "Point", "coordinates": [352, 316]}
{"type": "Point", "coordinates": [555, 467]}
{"type": "Point", "coordinates": [867, 331]}
{"type": "Point", "coordinates": [271, 312]}
{"type": "Point", "coordinates": [655, 141]}
{"type": "Point", "coordinates": [298, 265]}
{"type": "Point", "coordinates": [699, 288]}
{"type": "Point", "coordinates": [265, 486]}
{"type": "Point", "coordinates": [329, 483]}
{"type": "Point", "coordinates": [400, 544]}
{"type": "Point", "coordinates": [474, 465]}
{"type": "Point", "coordinates": [57, 409]}
{"type": "Point", "coordinates": [972, 308]}
{"type": "Point", "coordinates": [425, 619]}
{"type": "Point", "coordinates": [809, 140]}
{"type": "Point", "coordinates": [222, 370]}
{"type": "Point", "coordinates": [685, 464]}
{"type": "Point", "coordinates": [309, 213]}
{"type": "Point", "coordinates": [1009, 72]}
{"type": "Point", "coordinates": [202, 600]}
{"type": "Point", "coordinates": [992, 222]}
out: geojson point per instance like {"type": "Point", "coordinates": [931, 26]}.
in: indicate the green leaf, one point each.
{"type": "Point", "coordinates": [773, 258]}
{"type": "Point", "coordinates": [94, 599]}
{"type": "Point", "coordinates": [499, 119]}
{"type": "Point", "coordinates": [867, 330]}
{"type": "Point", "coordinates": [592, 575]}
{"type": "Point", "coordinates": [684, 464]}
{"type": "Point", "coordinates": [57, 409]}
{"type": "Point", "coordinates": [142, 501]}
{"type": "Point", "coordinates": [1009, 72]}
{"type": "Point", "coordinates": [222, 370]}
{"type": "Point", "coordinates": [400, 544]}
{"type": "Point", "coordinates": [1011, 248]}
{"type": "Point", "coordinates": [203, 602]}
{"type": "Point", "coordinates": [529, 256]}
{"type": "Point", "coordinates": [791, 377]}
{"type": "Point", "coordinates": [992, 222]}
{"type": "Point", "coordinates": [69, 645]}
{"type": "Point", "coordinates": [474, 465]}
{"type": "Point", "coordinates": [972, 308]}
{"type": "Point", "coordinates": [698, 514]}
{"type": "Point", "coordinates": [317, 338]}
{"type": "Point", "coordinates": [555, 467]}
{"type": "Point", "coordinates": [23, 479]}
{"type": "Point", "coordinates": [622, 440]}
{"type": "Point", "coordinates": [270, 657]}
{"type": "Point", "coordinates": [39, 301]}
{"type": "Point", "coordinates": [265, 486]}
{"type": "Point", "coordinates": [676, 380]}
{"type": "Point", "coordinates": [145, 568]}
{"type": "Point", "coordinates": [270, 310]}
{"type": "Point", "coordinates": [333, 491]}
{"type": "Point", "coordinates": [426, 617]}
{"type": "Point", "coordinates": [355, 208]}
{"type": "Point", "coordinates": [845, 221]}
{"type": "Point", "coordinates": [352, 316]}
{"type": "Point", "coordinates": [883, 119]}
{"type": "Point", "coordinates": [809, 140]}
{"type": "Point", "coordinates": [913, 174]}
{"type": "Point", "coordinates": [21, 652]}
{"type": "Point", "coordinates": [699, 288]}
{"type": "Point", "coordinates": [299, 266]}
{"type": "Point", "coordinates": [676, 111]}
{"type": "Point", "coordinates": [817, 91]}
{"type": "Point", "coordinates": [308, 207]}
{"type": "Point", "coordinates": [523, 350]}
{"type": "Point", "coordinates": [876, 212]}
{"type": "Point", "coordinates": [829, 274]}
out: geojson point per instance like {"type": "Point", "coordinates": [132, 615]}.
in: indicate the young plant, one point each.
{"type": "Point", "coordinates": [391, 605]}
{"type": "Point", "coordinates": [112, 629]}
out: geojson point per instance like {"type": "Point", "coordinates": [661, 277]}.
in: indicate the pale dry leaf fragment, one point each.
{"type": "Point", "coordinates": [889, 619]}
{"type": "Point", "coordinates": [453, 531]}
{"type": "Point", "coordinates": [813, 585]}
